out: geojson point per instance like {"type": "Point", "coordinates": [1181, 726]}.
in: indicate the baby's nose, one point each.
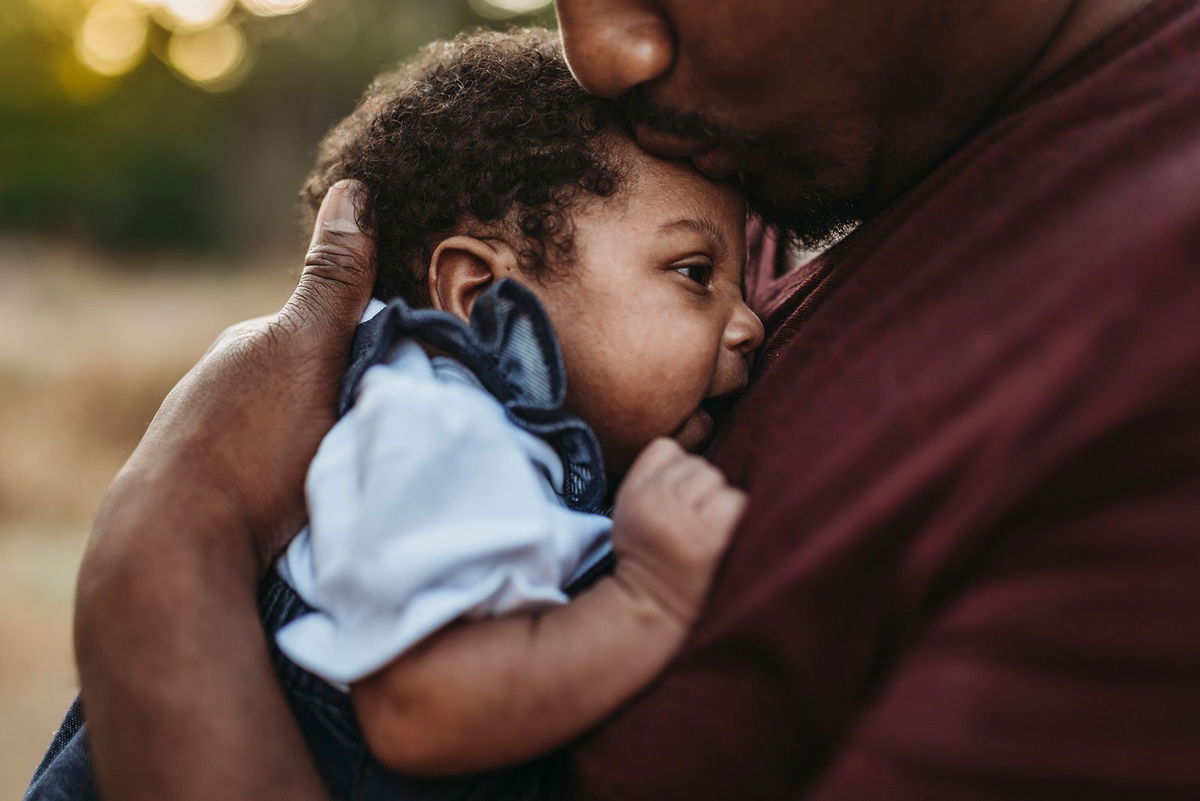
{"type": "Point", "coordinates": [745, 331]}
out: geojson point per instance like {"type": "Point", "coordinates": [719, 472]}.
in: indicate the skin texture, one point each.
{"type": "Point", "coordinates": [651, 317]}
{"type": "Point", "coordinates": [180, 695]}
{"type": "Point", "coordinates": [208, 512]}
{"type": "Point", "coordinates": [830, 108]}
{"type": "Point", "coordinates": [651, 321]}
{"type": "Point", "coordinates": [649, 314]}
{"type": "Point", "coordinates": [553, 675]}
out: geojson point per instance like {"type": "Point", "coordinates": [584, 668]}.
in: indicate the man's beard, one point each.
{"type": "Point", "coordinates": [806, 214]}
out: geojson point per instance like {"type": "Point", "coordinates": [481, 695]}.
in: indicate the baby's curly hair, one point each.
{"type": "Point", "coordinates": [487, 134]}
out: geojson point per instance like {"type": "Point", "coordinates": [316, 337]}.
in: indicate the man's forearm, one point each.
{"type": "Point", "coordinates": [495, 692]}
{"type": "Point", "coordinates": [181, 699]}
{"type": "Point", "coordinates": [179, 691]}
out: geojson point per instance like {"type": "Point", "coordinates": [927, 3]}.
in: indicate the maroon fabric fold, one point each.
{"type": "Point", "coordinates": [971, 565]}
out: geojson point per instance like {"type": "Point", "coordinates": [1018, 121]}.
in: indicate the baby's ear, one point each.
{"type": "Point", "coordinates": [462, 268]}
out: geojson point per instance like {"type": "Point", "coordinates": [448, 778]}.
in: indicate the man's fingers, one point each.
{"type": "Point", "coordinates": [338, 213]}
{"type": "Point", "coordinates": [339, 269]}
{"type": "Point", "coordinates": [241, 329]}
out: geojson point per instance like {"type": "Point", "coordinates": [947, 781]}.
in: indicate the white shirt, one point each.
{"type": "Point", "coordinates": [426, 505]}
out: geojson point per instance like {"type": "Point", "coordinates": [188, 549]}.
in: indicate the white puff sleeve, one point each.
{"type": "Point", "coordinates": [425, 505]}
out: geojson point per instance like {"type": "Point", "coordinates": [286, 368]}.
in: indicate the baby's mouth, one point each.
{"type": "Point", "coordinates": [718, 406]}
{"type": "Point", "coordinates": [696, 430]}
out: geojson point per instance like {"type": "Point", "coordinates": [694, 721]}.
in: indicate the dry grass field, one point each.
{"type": "Point", "coordinates": [88, 347]}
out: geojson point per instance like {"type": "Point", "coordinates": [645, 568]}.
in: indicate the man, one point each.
{"type": "Point", "coordinates": [969, 567]}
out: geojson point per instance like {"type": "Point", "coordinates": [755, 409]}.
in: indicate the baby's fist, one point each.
{"type": "Point", "coordinates": [673, 519]}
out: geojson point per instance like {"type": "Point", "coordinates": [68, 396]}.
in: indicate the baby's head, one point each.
{"type": "Point", "coordinates": [482, 159]}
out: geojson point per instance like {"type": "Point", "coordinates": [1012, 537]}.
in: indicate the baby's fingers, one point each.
{"type": "Point", "coordinates": [722, 510]}
{"type": "Point", "coordinates": [653, 459]}
{"type": "Point", "coordinates": [699, 483]}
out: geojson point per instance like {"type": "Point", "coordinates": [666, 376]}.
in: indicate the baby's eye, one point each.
{"type": "Point", "coordinates": [700, 273]}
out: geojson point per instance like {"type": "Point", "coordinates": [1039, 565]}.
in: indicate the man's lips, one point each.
{"type": "Point", "coordinates": [668, 145]}
{"type": "Point", "coordinates": [717, 161]}
{"type": "Point", "coordinates": [719, 164]}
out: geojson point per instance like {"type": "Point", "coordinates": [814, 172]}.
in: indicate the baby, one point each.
{"type": "Point", "coordinates": [564, 312]}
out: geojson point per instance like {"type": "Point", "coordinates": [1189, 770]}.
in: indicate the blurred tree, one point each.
{"type": "Point", "coordinates": [149, 160]}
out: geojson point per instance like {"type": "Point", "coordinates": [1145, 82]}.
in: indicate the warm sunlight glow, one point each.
{"type": "Point", "coordinates": [191, 14]}
{"type": "Point", "coordinates": [209, 57]}
{"type": "Point", "coordinates": [56, 15]}
{"type": "Point", "coordinates": [274, 8]}
{"type": "Point", "coordinates": [112, 37]}
{"type": "Point", "coordinates": [500, 9]}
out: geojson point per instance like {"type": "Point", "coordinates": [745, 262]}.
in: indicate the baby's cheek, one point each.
{"type": "Point", "coordinates": [624, 430]}
{"type": "Point", "coordinates": [660, 411]}
{"type": "Point", "coordinates": [647, 390]}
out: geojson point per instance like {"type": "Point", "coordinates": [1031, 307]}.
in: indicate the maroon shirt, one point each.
{"type": "Point", "coordinates": [971, 564]}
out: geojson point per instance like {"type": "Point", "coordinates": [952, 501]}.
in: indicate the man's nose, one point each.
{"type": "Point", "coordinates": [614, 45]}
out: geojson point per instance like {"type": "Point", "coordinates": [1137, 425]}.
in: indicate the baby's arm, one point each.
{"type": "Point", "coordinates": [482, 694]}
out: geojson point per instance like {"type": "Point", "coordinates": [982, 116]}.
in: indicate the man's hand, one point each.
{"type": "Point", "coordinates": [240, 429]}
{"type": "Point", "coordinates": [673, 519]}
{"type": "Point", "coordinates": [180, 695]}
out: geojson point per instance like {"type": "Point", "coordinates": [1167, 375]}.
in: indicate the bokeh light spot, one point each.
{"type": "Point", "coordinates": [211, 57]}
{"type": "Point", "coordinates": [274, 8]}
{"type": "Point", "coordinates": [112, 37]}
{"type": "Point", "coordinates": [190, 14]}
{"type": "Point", "coordinates": [502, 9]}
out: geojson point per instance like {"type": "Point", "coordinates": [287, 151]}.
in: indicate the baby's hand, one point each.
{"type": "Point", "coordinates": [672, 521]}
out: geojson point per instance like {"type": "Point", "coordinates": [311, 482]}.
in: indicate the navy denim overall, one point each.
{"type": "Point", "coordinates": [509, 349]}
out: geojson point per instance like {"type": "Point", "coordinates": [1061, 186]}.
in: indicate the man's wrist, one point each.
{"type": "Point", "coordinates": [150, 531]}
{"type": "Point", "coordinates": [166, 627]}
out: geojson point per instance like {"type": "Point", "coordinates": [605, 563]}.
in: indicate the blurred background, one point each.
{"type": "Point", "coordinates": [150, 155]}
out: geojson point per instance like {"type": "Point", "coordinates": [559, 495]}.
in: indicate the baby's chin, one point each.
{"type": "Point", "coordinates": [693, 435]}
{"type": "Point", "coordinates": [695, 432]}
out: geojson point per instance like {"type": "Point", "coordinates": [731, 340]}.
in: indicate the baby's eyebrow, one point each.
{"type": "Point", "coordinates": [703, 226]}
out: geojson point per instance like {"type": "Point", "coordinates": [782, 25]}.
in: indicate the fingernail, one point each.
{"type": "Point", "coordinates": [338, 213]}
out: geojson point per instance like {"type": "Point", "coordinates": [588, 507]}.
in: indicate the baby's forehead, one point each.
{"type": "Point", "coordinates": [658, 192]}
{"type": "Point", "coordinates": [664, 219]}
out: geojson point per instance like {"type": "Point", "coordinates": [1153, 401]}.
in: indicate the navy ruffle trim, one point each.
{"type": "Point", "coordinates": [510, 347]}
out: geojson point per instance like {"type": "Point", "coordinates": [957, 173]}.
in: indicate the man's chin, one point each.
{"type": "Point", "coordinates": [809, 215]}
